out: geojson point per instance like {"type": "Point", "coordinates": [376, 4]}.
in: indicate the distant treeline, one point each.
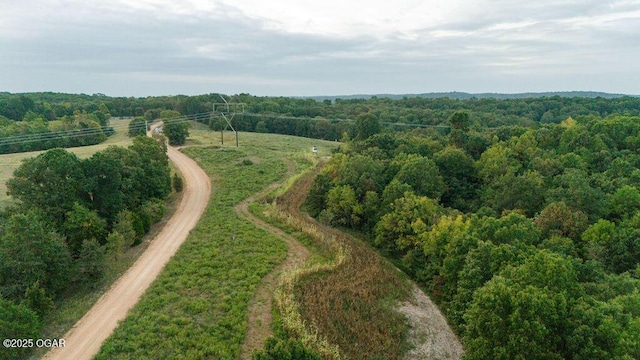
{"type": "Point", "coordinates": [26, 125]}
{"type": "Point", "coordinates": [490, 111]}
{"type": "Point", "coordinates": [456, 95]}
{"type": "Point", "coordinates": [23, 115]}
{"type": "Point", "coordinates": [34, 133]}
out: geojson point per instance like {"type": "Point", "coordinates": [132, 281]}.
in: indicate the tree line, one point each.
{"type": "Point", "coordinates": [72, 218]}
{"type": "Point", "coordinates": [25, 127]}
{"type": "Point", "coordinates": [491, 112]}
{"type": "Point", "coordinates": [527, 237]}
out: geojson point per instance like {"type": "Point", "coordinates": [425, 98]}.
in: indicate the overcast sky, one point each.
{"type": "Point", "coordinates": [327, 47]}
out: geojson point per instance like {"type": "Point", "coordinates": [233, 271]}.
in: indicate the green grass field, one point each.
{"type": "Point", "coordinates": [197, 307]}
{"type": "Point", "coordinates": [10, 162]}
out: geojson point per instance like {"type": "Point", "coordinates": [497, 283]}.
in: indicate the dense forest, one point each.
{"type": "Point", "coordinates": [72, 218]}
{"type": "Point", "coordinates": [527, 237]}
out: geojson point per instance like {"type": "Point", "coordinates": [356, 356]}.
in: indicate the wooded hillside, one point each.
{"type": "Point", "coordinates": [527, 237]}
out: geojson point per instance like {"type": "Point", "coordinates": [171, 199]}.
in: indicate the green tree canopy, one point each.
{"type": "Point", "coordinates": [52, 182]}
{"type": "Point", "coordinates": [410, 216]}
{"type": "Point", "coordinates": [559, 219]}
{"type": "Point", "coordinates": [138, 127]}
{"type": "Point", "coordinates": [30, 252]}
{"type": "Point", "coordinates": [82, 224]}
{"type": "Point", "coordinates": [422, 174]}
{"type": "Point", "coordinates": [522, 313]}
{"type": "Point", "coordinates": [155, 165]}
{"type": "Point", "coordinates": [459, 176]}
{"type": "Point", "coordinates": [176, 131]}
{"type": "Point", "coordinates": [17, 322]}
{"type": "Point", "coordinates": [367, 125]}
{"type": "Point", "coordinates": [343, 206]}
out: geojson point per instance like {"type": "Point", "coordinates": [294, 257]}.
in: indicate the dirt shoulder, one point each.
{"type": "Point", "coordinates": [430, 335]}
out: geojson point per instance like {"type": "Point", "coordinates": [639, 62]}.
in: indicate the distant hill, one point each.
{"type": "Point", "coordinates": [465, 96]}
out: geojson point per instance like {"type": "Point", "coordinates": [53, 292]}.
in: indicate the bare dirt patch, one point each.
{"type": "Point", "coordinates": [430, 335]}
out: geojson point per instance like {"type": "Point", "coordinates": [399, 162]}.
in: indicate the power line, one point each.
{"type": "Point", "coordinates": [231, 113]}
{"type": "Point", "coordinates": [93, 131]}
{"type": "Point", "coordinates": [86, 132]}
{"type": "Point", "coordinates": [288, 117]}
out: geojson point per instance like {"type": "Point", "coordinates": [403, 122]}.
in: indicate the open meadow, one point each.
{"type": "Point", "coordinates": [197, 307]}
{"type": "Point", "coordinates": [10, 162]}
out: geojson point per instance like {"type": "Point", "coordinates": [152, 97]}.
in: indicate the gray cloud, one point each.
{"type": "Point", "coordinates": [146, 49]}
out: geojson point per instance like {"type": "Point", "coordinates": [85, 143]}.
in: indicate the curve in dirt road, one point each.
{"type": "Point", "coordinates": [83, 341]}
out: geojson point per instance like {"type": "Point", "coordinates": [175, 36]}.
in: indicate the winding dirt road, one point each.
{"type": "Point", "coordinates": [260, 316]}
{"type": "Point", "coordinates": [83, 341]}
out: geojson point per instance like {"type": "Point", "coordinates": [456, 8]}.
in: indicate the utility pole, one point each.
{"type": "Point", "coordinates": [228, 112]}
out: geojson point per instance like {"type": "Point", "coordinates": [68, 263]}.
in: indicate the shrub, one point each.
{"type": "Point", "coordinates": [177, 183]}
{"type": "Point", "coordinates": [124, 225]}
{"type": "Point", "coordinates": [154, 209]}
{"type": "Point", "coordinates": [91, 262]}
{"type": "Point", "coordinates": [17, 322]}
{"type": "Point", "coordinates": [137, 127]}
{"type": "Point", "coordinates": [176, 132]}
{"type": "Point", "coordinates": [285, 349]}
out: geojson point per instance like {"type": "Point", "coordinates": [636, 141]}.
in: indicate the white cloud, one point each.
{"type": "Point", "coordinates": [336, 18]}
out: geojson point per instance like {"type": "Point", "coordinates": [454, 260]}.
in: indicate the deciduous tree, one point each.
{"type": "Point", "coordinates": [82, 224]}
{"type": "Point", "coordinates": [52, 182]}
{"type": "Point", "coordinates": [366, 126]}
{"type": "Point", "coordinates": [342, 203]}
{"type": "Point", "coordinates": [17, 322]}
{"type": "Point", "coordinates": [423, 176]}
{"type": "Point", "coordinates": [30, 252]}
{"type": "Point", "coordinates": [176, 131]}
{"type": "Point", "coordinates": [460, 178]}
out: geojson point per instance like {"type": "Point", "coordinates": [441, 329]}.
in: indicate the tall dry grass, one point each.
{"type": "Point", "coordinates": [343, 307]}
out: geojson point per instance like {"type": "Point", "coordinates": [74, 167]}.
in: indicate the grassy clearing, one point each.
{"type": "Point", "coordinates": [10, 162]}
{"type": "Point", "coordinates": [197, 307]}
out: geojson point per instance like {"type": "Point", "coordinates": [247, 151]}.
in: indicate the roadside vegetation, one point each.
{"type": "Point", "coordinates": [342, 303]}
{"type": "Point", "coordinates": [71, 222]}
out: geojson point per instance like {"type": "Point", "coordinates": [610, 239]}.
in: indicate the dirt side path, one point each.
{"type": "Point", "coordinates": [83, 341]}
{"type": "Point", "coordinates": [260, 318]}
